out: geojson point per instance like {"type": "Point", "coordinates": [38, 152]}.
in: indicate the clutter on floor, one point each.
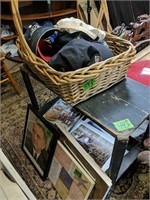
{"type": "Point", "coordinates": [5, 31]}
{"type": "Point", "coordinates": [10, 47]}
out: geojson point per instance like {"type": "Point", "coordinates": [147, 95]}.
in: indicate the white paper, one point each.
{"type": "Point", "coordinates": [146, 71]}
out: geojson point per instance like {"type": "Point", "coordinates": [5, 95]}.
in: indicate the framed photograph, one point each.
{"type": "Point", "coordinates": [70, 178]}
{"type": "Point", "coordinates": [63, 115]}
{"type": "Point", "coordinates": [39, 141]}
{"type": "Point", "coordinates": [96, 142]}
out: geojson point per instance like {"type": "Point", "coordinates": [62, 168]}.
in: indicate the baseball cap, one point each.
{"type": "Point", "coordinates": [36, 35]}
{"type": "Point", "coordinates": [79, 53]}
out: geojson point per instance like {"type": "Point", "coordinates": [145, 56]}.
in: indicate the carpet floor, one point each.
{"type": "Point", "coordinates": [134, 184]}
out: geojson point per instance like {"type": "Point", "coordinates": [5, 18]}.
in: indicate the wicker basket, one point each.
{"type": "Point", "coordinates": [76, 86]}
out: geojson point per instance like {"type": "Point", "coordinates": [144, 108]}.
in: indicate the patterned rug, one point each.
{"type": "Point", "coordinates": [133, 185]}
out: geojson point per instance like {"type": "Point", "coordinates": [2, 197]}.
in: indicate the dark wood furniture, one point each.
{"type": "Point", "coordinates": [35, 11]}
{"type": "Point", "coordinates": [42, 10]}
{"type": "Point", "coordinates": [126, 100]}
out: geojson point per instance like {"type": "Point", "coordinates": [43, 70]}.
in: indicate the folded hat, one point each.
{"type": "Point", "coordinates": [42, 32]}
{"type": "Point", "coordinates": [35, 36]}
{"type": "Point", "coordinates": [79, 53]}
{"type": "Point", "coordinates": [72, 25]}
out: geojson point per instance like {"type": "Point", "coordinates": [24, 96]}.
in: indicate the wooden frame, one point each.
{"type": "Point", "coordinates": [70, 178]}
{"type": "Point", "coordinates": [39, 141]}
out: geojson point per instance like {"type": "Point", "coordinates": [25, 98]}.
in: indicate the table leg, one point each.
{"type": "Point", "coordinates": [30, 90]}
{"type": "Point", "coordinates": [117, 157]}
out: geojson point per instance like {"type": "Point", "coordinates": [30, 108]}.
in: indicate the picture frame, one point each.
{"type": "Point", "coordinates": [70, 178]}
{"type": "Point", "coordinates": [39, 141]}
{"type": "Point", "coordinates": [96, 142]}
{"type": "Point", "coordinates": [63, 115]}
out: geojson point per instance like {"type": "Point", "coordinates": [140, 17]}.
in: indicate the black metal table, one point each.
{"type": "Point", "coordinates": [125, 100]}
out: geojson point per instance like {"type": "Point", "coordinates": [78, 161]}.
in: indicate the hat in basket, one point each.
{"type": "Point", "coordinates": [79, 53]}
{"type": "Point", "coordinates": [36, 35]}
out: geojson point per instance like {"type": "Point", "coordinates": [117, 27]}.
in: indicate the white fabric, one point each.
{"type": "Point", "coordinates": [11, 170]}
{"type": "Point", "coordinates": [72, 25]}
{"type": "Point", "coordinates": [10, 190]}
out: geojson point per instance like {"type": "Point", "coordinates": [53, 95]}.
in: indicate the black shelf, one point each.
{"type": "Point", "coordinates": [128, 160]}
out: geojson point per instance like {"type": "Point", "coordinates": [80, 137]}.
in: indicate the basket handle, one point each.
{"type": "Point", "coordinates": [15, 7]}
{"type": "Point", "coordinates": [18, 26]}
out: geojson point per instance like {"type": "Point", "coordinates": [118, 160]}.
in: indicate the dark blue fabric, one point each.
{"type": "Point", "coordinates": [79, 53]}
{"type": "Point", "coordinates": [64, 37]}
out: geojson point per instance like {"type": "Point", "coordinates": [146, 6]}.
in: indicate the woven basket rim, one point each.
{"type": "Point", "coordinates": [86, 68]}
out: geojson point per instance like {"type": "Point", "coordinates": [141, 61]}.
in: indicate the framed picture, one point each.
{"type": "Point", "coordinates": [39, 141]}
{"type": "Point", "coordinates": [96, 142]}
{"type": "Point", "coordinates": [63, 115]}
{"type": "Point", "coordinates": [70, 178]}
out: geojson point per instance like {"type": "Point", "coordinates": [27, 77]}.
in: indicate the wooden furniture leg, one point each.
{"type": "Point", "coordinates": [9, 76]}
